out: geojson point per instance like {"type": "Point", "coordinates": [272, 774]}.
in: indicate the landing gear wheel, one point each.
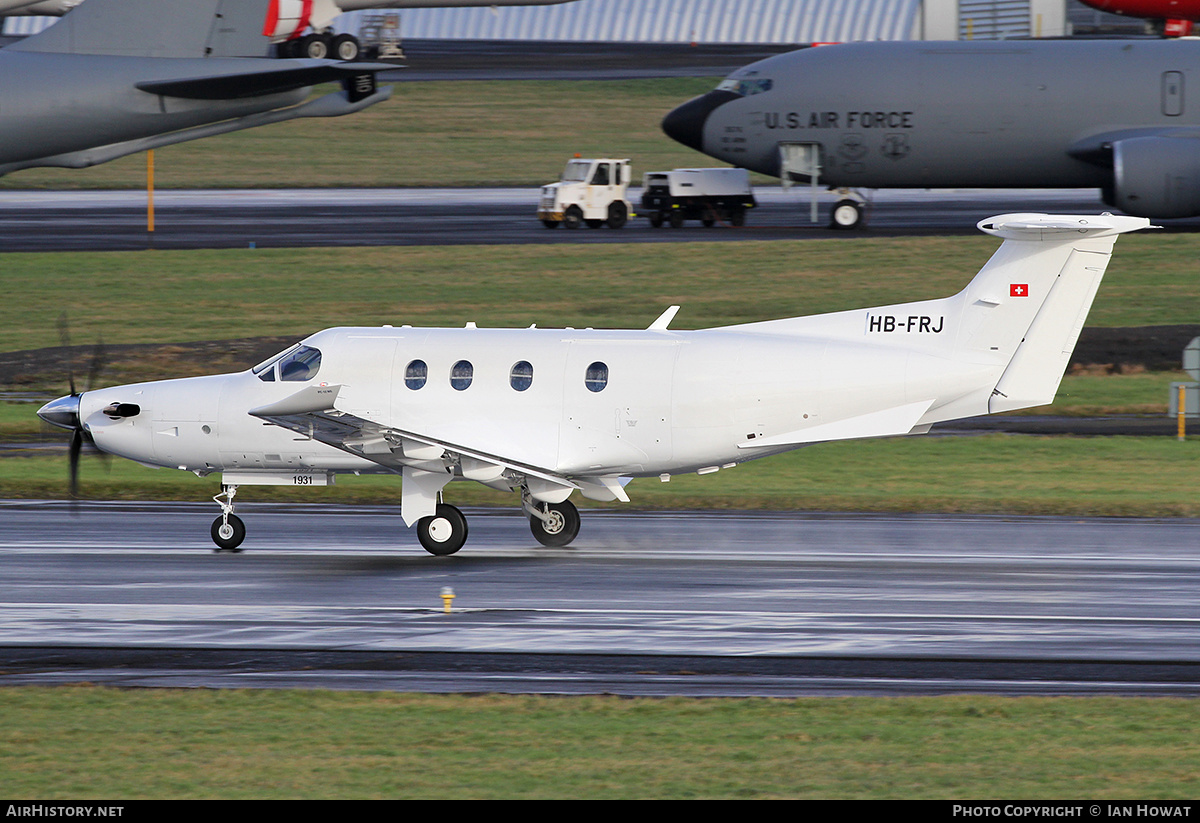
{"type": "Point", "coordinates": [444, 532]}
{"type": "Point", "coordinates": [228, 533]}
{"type": "Point", "coordinates": [562, 527]}
{"type": "Point", "coordinates": [572, 217]}
{"type": "Point", "coordinates": [346, 47]}
{"type": "Point", "coordinates": [847, 214]}
{"type": "Point", "coordinates": [618, 215]}
{"type": "Point", "coordinates": [314, 46]}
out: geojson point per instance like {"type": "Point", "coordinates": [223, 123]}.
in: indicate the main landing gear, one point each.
{"type": "Point", "coordinates": [442, 533]}
{"type": "Point", "coordinates": [323, 45]}
{"type": "Point", "coordinates": [553, 524]}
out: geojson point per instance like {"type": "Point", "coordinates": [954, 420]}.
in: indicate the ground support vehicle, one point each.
{"type": "Point", "coordinates": [591, 192]}
{"type": "Point", "coordinates": [707, 195]}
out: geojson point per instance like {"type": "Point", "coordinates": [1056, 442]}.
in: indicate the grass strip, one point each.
{"type": "Point", "coordinates": [88, 742]}
{"type": "Point", "coordinates": [986, 474]}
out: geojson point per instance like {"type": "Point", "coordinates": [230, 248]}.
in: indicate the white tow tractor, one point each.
{"type": "Point", "coordinates": [591, 192]}
{"type": "Point", "coordinates": [707, 195]}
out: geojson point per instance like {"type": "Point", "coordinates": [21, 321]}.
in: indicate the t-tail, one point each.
{"type": "Point", "coordinates": [1029, 302]}
{"type": "Point", "coordinates": [1002, 343]}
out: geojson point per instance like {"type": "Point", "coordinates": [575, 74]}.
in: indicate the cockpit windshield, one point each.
{"type": "Point", "coordinates": [746, 86]}
{"type": "Point", "coordinates": [294, 365]}
{"type": "Point", "coordinates": [576, 171]}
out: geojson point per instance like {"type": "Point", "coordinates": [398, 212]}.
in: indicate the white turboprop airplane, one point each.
{"type": "Point", "coordinates": [547, 412]}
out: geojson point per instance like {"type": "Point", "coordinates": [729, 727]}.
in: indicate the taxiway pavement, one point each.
{"type": "Point", "coordinates": [296, 218]}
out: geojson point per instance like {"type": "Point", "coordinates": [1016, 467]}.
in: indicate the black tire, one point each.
{"type": "Point", "coordinates": [563, 528]}
{"type": "Point", "coordinates": [572, 217]}
{"type": "Point", "coordinates": [550, 224]}
{"type": "Point", "coordinates": [656, 219]}
{"type": "Point", "coordinates": [676, 219]}
{"type": "Point", "coordinates": [314, 46]}
{"type": "Point", "coordinates": [444, 532]}
{"type": "Point", "coordinates": [708, 222]}
{"type": "Point", "coordinates": [228, 535]}
{"type": "Point", "coordinates": [847, 215]}
{"type": "Point", "coordinates": [345, 47]}
{"type": "Point", "coordinates": [737, 217]}
{"type": "Point", "coordinates": [618, 215]}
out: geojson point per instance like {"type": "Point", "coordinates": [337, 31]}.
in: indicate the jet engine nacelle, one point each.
{"type": "Point", "coordinates": [1156, 176]}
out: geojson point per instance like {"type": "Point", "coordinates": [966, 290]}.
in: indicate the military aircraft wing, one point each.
{"type": "Point", "coordinates": [261, 82]}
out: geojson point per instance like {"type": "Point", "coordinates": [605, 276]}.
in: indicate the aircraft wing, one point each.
{"type": "Point", "coordinates": [426, 463]}
{"type": "Point", "coordinates": [262, 81]}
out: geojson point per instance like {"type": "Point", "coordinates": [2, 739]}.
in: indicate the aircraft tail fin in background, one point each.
{"type": "Point", "coordinates": [157, 28]}
{"type": "Point", "coordinates": [1029, 302]}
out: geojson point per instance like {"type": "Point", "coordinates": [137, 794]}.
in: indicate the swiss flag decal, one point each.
{"type": "Point", "coordinates": [1018, 290]}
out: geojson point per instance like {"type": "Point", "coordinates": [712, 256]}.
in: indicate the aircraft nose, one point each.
{"type": "Point", "coordinates": [63, 412]}
{"type": "Point", "coordinates": [686, 123]}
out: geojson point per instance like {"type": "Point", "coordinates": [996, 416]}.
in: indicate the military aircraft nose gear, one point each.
{"type": "Point", "coordinates": [444, 532]}
{"type": "Point", "coordinates": [849, 212]}
{"type": "Point", "coordinates": [228, 531]}
{"type": "Point", "coordinates": [554, 524]}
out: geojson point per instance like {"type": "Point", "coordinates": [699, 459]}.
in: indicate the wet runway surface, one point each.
{"type": "Point", "coordinates": [685, 603]}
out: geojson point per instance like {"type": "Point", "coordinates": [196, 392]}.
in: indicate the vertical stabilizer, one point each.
{"type": "Point", "coordinates": [1029, 302]}
{"type": "Point", "coordinates": [157, 28]}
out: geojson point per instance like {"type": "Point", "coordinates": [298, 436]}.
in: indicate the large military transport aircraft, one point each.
{"type": "Point", "coordinates": [1111, 114]}
{"type": "Point", "coordinates": [115, 77]}
{"type": "Point", "coordinates": [548, 412]}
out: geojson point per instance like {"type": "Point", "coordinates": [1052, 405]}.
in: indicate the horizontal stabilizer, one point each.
{"type": "Point", "coordinates": [261, 82]}
{"type": "Point", "coordinates": [897, 420]}
{"type": "Point", "coordinates": [1059, 226]}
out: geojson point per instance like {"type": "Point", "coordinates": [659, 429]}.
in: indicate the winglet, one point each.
{"type": "Point", "coordinates": [663, 320]}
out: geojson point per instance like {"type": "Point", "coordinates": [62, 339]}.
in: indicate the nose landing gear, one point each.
{"type": "Point", "coordinates": [228, 531]}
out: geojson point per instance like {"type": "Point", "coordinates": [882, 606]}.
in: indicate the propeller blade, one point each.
{"type": "Point", "coordinates": [97, 364]}
{"type": "Point", "coordinates": [76, 447]}
{"type": "Point", "coordinates": [64, 336]}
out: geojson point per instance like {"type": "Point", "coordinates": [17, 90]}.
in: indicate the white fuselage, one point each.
{"type": "Point", "coordinates": [673, 401]}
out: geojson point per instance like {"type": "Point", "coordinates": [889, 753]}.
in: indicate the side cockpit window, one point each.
{"type": "Point", "coordinates": [295, 365]}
